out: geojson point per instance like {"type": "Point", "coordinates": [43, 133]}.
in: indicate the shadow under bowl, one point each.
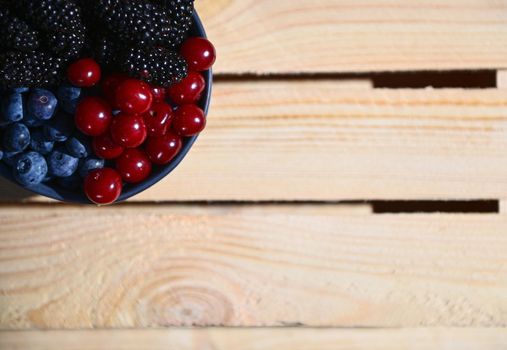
{"type": "Point", "coordinates": [54, 191]}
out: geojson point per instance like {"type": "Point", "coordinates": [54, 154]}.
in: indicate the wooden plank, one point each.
{"type": "Point", "coordinates": [286, 140]}
{"type": "Point", "coordinates": [255, 339]}
{"type": "Point", "coordinates": [501, 79]}
{"type": "Point", "coordinates": [314, 265]}
{"type": "Point", "coordinates": [311, 140]}
{"type": "Point", "coordinates": [501, 83]}
{"type": "Point", "coordinates": [286, 36]}
{"type": "Point", "coordinates": [503, 206]}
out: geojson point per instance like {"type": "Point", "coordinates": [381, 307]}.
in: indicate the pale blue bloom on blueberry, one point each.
{"type": "Point", "coordinates": [16, 137]}
{"type": "Point", "coordinates": [78, 145]}
{"type": "Point", "coordinates": [40, 143]}
{"type": "Point", "coordinates": [30, 169]}
{"type": "Point", "coordinates": [20, 90]}
{"type": "Point", "coordinates": [41, 104]}
{"type": "Point", "coordinates": [88, 164]}
{"type": "Point", "coordinates": [62, 164]}
{"type": "Point", "coordinates": [12, 108]}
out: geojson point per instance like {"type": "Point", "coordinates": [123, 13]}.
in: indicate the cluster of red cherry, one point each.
{"type": "Point", "coordinates": [146, 130]}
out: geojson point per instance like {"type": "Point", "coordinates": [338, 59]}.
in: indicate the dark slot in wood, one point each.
{"type": "Point", "coordinates": [472, 206]}
{"type": "Point", "coordinates": [480, 79]}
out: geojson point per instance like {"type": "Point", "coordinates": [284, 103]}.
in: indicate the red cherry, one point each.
{"type": "Point", "coordinates": [158, 93]}
{"type": "Point", "coordinates": [189, 90]}
{"type": "Point", "coordinates": [128, 130]}
{"type": "Point", "coordinates": [104, 147]}
{"type": "Point", "coordinates": [109, 86]}
{"type": "Point", "coordinates": [161, 150]}
{"type": "Point", "coordinates": [133, 165]}
{"type": "Point", "coordinates": [199, 53]}
{"type": "Point", "coordinates": [84, 73]}
{"type": "Point", "coordinates": [93, 116]}
{"type": "Point", "coordinates": [158, 119]}
{"type": "Point", "coordinates": [189, 120]}
{"type": "Point", "coordinates": [134, 96]}
{"type": "Point", "coordinates": [103, 186]}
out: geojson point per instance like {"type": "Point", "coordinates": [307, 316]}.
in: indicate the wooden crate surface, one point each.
{"type": "Point", "coordinates": [305, 36]}
{"type": "Point", "coordinates": [268, 222]}
{"type": "Point", "coordinates": [260, 339]}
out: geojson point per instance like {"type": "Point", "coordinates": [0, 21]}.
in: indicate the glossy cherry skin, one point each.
{"type": "Point", "coordinates": [134, 96]}
{"type": "Point", "coordinates": [158, 93]}
{"type": "Point", "coordinates": [189, 90]}
{"type": "Point", "coordinates": [188, 120]}
{"type": "Point", "coordinates": [128, 130]}
{"type": "Point", "coordinates": [103, 186]}
{"type": "Point", "coordinates": [84, 73]}
{"type": "Point", "coordinates": [161, 150]}
{"type": "Point", "coordinates": [199, 53]}
{"type": "Point", "coordinates": [110, 85]}
{"type": "Point", "coordinates": [133, 165]}
{"type": "Point", "coordinates": [93, 116]}
{"type": "Point", "coordinates": [104, 147]}
{"type": "Point", "coordinates": [158, 119]}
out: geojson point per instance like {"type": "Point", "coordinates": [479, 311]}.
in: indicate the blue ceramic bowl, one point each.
{"type": "Point", "coordinates": [54, 191]}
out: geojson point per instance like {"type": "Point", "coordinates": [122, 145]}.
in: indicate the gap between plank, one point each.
{"type": "Point", "coordinates": [479, 79]}
{"type": "Point", "coordinates": [358, 207]}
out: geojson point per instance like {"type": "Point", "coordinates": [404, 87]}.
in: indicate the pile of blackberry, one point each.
{"type": "Point", "coordinates": [141, 38]}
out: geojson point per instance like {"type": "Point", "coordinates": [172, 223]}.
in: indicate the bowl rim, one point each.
{"type": "Point", "coordinates": [70, 196]}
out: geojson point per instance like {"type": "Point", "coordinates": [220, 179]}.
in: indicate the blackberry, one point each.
{"type": "Point", "coordinates": [140, 22]}
{"type": "Point", "coordinates": [50, 15]}
{"type": "Point", "coordinates": [66, 44]}
{"type": "Point", "coordinates": [180, 13]}
{"type": "Point", "coordinates": [29, 69]}
{"type": "Point", "coordinates": [16, 34]}
{"type": "Point", "coordinates": [154, 65]}
{"type": "Point", "coordinates": [105, 50]}
{"type": "Point", "coordinates": [60, 20]}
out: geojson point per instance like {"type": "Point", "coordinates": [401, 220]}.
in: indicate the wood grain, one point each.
{"type": "Point", "coordinates": [501, 80]}
{"type": "Point", "coordinates": [316, 140]}
{"type": "Point", "coordinates": [501, 83]}
{"type": "Point", "coordinates": [260, 339]}
{"type": "Point", "coordinates": [286, 36]}
{"type": "Point", "coordinates": [248, 265]}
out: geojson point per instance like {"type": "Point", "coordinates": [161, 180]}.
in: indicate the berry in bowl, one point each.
{"type": "Point", "coordinates": [101, 99]}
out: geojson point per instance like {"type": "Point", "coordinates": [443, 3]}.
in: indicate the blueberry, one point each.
{"type": "Point", "coordinates": [1, 154]}
{"type": "Point", "coordinates": [30, 169]}
{"type": "Point", "coordinates": [12, 108]}
{"type": "Point", "coordinates": [10, 157]}
{"type": "Point", "coordinates": [68, 97]}
{"type": "Point", "coordinates": [39, 142]}
{"type": "Point", "coordinates": [41, 104]}
{"type": "Point", "coordinates": [115, 112]}
{"type": "Point", "coordinates": [88, 164]}
{"type": "Point", "coordinates": [70, 182]}
{"type": "Point", "coordinates": [78, 145]}
{"type": "Point", "coordinates": [20, 90]}
{"type": "Point", "coordinates": [59, 128]}
{"type": "Point", "coordinates": [61, 164]}
{"type": "Point", "coordinates": [31, 121]}
{"type": "Point", "coordinates": [16, 137]}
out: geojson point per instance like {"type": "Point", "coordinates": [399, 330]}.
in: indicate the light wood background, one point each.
{"type": "Point", "coordinates": [266, 234]}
